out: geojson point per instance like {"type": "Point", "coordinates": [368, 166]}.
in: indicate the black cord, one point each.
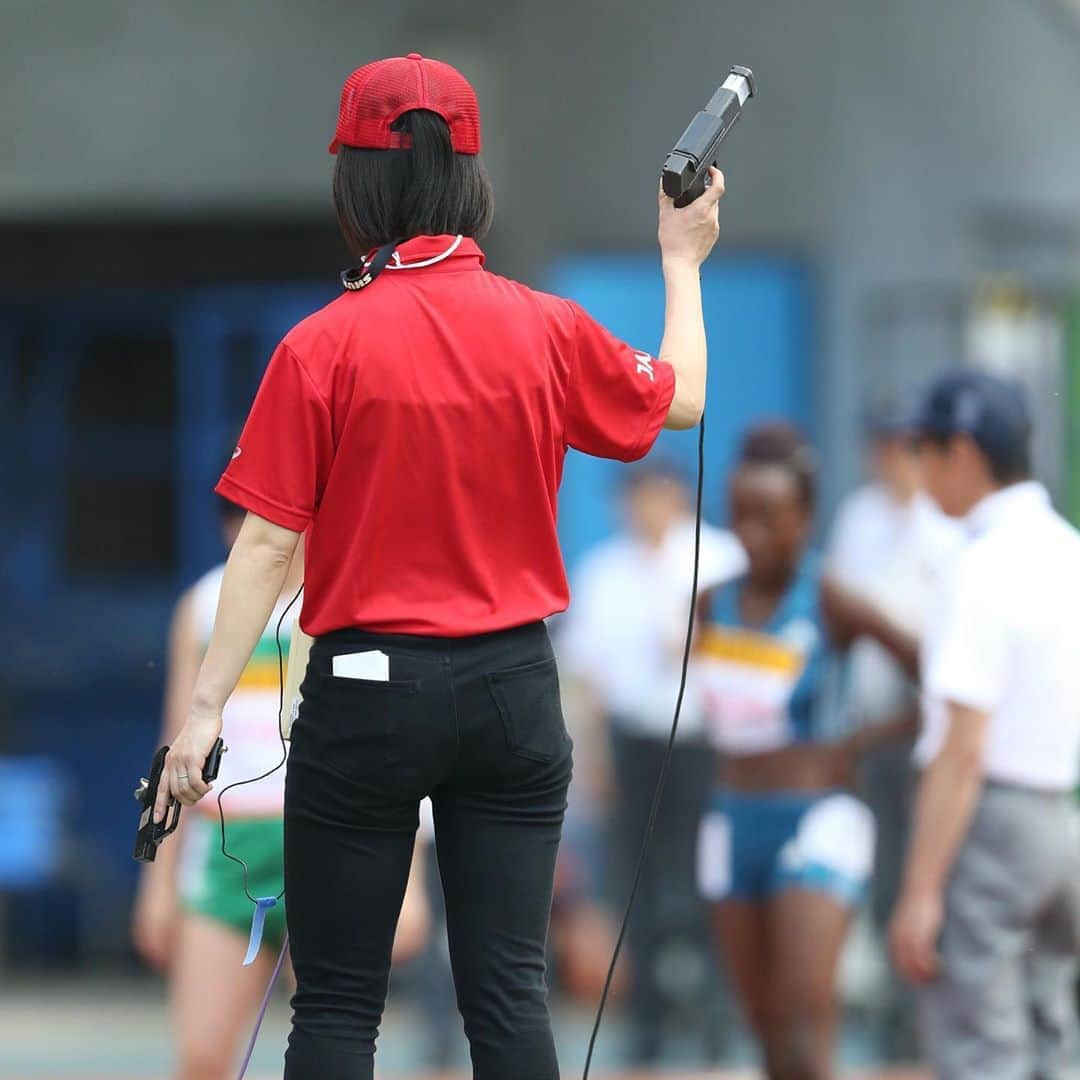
{"type": "Point", "coordinates": [269, 772]}
{"type": "Point", "coordinates": [360, 277]}
{"type": "Point", "coordinates": [667, 757]}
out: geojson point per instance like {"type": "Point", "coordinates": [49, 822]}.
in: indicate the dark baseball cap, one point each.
{"type": "Point", "coordinates": [375, 96]}
{"type": "Point", "coordinates": [992, 411]}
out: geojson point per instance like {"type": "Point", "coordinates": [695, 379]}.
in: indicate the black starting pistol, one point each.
{"type": "Point", "coordinates": [151, 833]}
{"type": "Point", "coordinates": [686, 170]}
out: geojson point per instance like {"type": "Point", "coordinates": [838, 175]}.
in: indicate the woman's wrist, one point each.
{"type": "Point", "coordinates": [680, 266]}
{"type": "Point", "coordinates": [206, 704]}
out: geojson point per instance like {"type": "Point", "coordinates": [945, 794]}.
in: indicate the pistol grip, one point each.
{"type": "Point", "coordinates": [213, 761]}
{"type": "Point", "coordinates": [694, 191]}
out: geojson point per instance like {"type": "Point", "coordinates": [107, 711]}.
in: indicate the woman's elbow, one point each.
{"type": "Point", "coordinates": [272, 543]}
{"type": "Point", "coordinates": [686, 410]}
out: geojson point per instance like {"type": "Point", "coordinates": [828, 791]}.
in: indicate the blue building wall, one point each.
{"type": "Point", "coordinates": [758, 319]}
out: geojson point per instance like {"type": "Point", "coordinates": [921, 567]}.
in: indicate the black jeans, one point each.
{"type": "Point", "coordinates": [476, 723]}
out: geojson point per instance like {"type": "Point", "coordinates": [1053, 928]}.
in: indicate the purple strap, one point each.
{"type": "Point", "coordinates": [262, 1009]}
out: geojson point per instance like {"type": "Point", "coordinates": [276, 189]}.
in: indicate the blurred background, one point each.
{"type": "Point", "coordinates": [902, 196]}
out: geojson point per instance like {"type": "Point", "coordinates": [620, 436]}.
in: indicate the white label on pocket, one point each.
{"type": "Point", "coordinates": [362, 665]}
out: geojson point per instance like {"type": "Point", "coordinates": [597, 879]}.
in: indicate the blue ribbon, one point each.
{"type": "Point", "coordinates": [258, 921]}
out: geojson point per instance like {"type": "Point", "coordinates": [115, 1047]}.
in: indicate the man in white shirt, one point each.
{"type": "Point", "coordinates": [622, 644]}
{"type": "Point", "coordinates": [889, 544]}
{"type": "Point", "coordinates": [988, 924]}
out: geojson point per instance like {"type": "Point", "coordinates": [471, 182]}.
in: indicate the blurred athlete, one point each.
{"type": "Point", "coordinates": [784, 851]}
{"type": "Point", "coordinates": [192, 917]}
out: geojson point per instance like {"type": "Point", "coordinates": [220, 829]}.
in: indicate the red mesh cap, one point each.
{"type": "Point", "coordinates": [375, 95]}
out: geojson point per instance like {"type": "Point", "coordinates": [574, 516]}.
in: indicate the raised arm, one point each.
{"type": "Point", "coordinates": [686, 237]}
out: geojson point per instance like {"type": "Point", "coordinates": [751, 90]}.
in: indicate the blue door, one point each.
{"type": "Point", "coordinates": [757, 316]}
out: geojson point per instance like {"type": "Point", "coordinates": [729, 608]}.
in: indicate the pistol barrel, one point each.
{"type": "Point", "coordinates": [683, 177]}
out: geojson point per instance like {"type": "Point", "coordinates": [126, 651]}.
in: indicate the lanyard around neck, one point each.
{"type": "Point", "coordinates": [387, 258]}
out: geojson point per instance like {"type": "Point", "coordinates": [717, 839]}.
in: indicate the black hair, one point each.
{"type": "Point", "coordinates": [425, 190]}
{"type": "Point", "coordinates": [776, 442]}
{"type": "Point", "coordinates": [1008, 463]}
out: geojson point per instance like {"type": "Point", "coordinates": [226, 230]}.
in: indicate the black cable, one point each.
{"type": "Point", "coordinates": [667, 756]}
{"type": "Point", "coordinates": [269, 772]}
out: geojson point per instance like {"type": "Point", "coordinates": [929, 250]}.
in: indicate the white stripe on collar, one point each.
{"type": "Point", "coordinates": [397, 264]}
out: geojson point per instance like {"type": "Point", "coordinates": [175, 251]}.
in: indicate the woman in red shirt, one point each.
{"type": "Point", "coordinates": [415, 429]}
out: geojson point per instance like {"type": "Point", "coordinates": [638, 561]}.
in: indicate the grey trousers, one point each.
{"type": "Point", "coordinates": [1002, 1008]}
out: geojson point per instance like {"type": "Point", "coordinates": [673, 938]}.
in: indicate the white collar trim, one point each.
{"type": "Point", "coordinates": [397, 264]}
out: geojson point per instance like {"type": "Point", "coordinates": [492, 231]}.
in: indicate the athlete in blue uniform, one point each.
{"type": "Point", "coordinates": [784, 851]}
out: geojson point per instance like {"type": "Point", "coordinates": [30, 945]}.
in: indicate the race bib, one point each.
{"type": "Point", "coordinates": [747, 680]}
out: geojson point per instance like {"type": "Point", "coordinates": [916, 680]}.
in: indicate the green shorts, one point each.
{"type": "Point", "coordinates": [213, 886]}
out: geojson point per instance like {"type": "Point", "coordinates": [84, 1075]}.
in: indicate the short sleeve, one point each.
{"type": "Point", "coordinates": [966, 661]}
{"type": "Point", "coordinates": [280, 465]}
{"type": "Point", "coordinates": [618, 399]}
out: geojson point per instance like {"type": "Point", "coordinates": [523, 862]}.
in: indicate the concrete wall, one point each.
{"type": "Point", "coordinates": [892, 141]}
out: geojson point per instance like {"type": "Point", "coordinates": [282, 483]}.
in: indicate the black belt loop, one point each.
{"type": "Point", "coordinates": [360, 277]}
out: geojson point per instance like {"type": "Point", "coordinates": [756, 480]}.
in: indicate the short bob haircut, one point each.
{"type": "Point", "coordinates": [384, 196]}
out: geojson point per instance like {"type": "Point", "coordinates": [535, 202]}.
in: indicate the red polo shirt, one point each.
{"type": "Point", "coordinates": [417, 430]}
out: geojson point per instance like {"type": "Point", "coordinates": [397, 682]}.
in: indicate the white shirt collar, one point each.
{"type": "Point", "coordinates": [1003, 504]}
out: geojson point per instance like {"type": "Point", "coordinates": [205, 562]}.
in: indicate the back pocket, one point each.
{"type": "Point", "coordinates": [531, 708]}
{"type": "Point", "coordinates": [361, 728]}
